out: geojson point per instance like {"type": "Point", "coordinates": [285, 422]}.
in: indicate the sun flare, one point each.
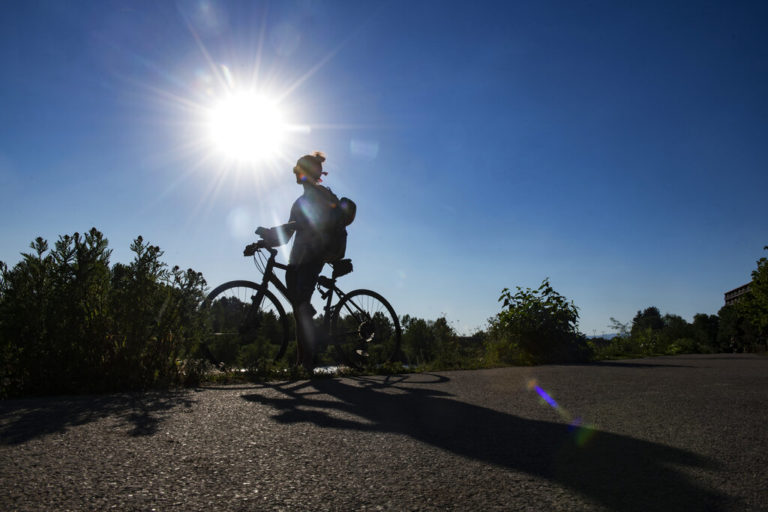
{"type": "Point", "coordinates": [247, 127]}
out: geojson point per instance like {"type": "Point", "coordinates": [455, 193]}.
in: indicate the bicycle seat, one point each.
{"type": "Point", "coordinates": [341, 267]}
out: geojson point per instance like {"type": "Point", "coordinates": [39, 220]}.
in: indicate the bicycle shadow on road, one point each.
{"type": "Point", "coordinates": [618, 471]}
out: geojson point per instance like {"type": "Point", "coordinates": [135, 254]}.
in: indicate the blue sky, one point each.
{"type": "Point", "coordinates": [618, 149]}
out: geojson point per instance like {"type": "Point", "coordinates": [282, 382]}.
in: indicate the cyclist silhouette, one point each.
{"type": "Point", "coordinates": [311, 218]}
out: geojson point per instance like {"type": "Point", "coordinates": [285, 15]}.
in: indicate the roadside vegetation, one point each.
{"type": "Point", "coordinates": [72, 322]}
{"type": "Point", "coordinates": [740, 327]}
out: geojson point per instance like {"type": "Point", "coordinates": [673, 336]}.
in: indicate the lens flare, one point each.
{"type": "Point", "coordinates": [365, 149]}
{"type": "Point", "coordinates": [582, 432]}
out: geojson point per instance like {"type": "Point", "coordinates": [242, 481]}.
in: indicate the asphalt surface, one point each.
{"type": "Point", "coordinates": [683, 433]}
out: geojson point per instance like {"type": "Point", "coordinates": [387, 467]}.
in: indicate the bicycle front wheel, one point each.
{"type": "Point", "coordinates": [248, 325]}
{"type": "Point", "coordinates": [365, 330]}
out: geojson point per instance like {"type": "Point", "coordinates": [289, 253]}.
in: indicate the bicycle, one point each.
{"type": "Point", "coordinates": [362, 326]}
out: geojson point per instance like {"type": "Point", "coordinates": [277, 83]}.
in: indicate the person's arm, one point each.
{"type": "Point", "coordinates": [277, 235]}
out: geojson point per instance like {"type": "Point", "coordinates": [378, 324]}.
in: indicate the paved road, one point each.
{"type": "Point", "coordinates": [681, 433]}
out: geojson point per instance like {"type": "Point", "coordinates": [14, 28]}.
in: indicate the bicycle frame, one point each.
{"type": "Point", "coordinates": [323, 283]}
{"type": "Point", "coordinates": [352, 321]}
{"type": "Point", "coordinates": [270, 277]}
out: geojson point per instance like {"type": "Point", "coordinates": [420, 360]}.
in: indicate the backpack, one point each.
{"type": "Point", "coordinates": [342, 214]}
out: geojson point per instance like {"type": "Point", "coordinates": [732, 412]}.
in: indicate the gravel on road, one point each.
{"type": "Point", "coordinates": [682, 433]}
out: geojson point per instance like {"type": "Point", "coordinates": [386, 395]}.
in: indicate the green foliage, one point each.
{"type": "Point", "coordinates": [536, 326]}
{"type": "Point", "coordinates": [654, 334]}
{"type": "Point", "coordinates": [705, 329]}
{"type": "Point", "coordinates": [649, 318]}
{"type": "Point", "coordinates": [418, 341]}
{"type": "Point", "coordinates": [621, 328]}
{"type": "Point", "coordinates": [743, 326]}
{"type": "Point", "coordinates": [434, 344]}
{"type": "Point", "coordinates": [237, 346]}
{"type": "Point", "coordinates": [69, 323]}
{"type": "Point", "coordinates": [735, 332]}
{"type": "Point", "coordinates": [754, 307]}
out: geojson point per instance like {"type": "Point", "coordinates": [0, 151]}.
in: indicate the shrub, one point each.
{"type": "Point", "coordinates": [69, 323]}
{"type": "Point", "coordinates": [536, 326]}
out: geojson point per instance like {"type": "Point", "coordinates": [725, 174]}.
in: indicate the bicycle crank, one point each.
{"type": "Point", "coordinates": [367, 331]}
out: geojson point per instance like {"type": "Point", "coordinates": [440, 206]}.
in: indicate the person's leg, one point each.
{"type": "Point", "coordinates": [291, 283]}
{"type": "Point", "coordinates": [300, 281]}
{"type": "Point", "coordinates": [305, 335]}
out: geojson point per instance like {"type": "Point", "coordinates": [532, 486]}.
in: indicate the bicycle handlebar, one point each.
{"type": "Point", "coordinates": [251, 249]}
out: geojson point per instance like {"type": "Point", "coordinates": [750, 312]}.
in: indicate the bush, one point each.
{"type": "Point", "coordinates": [71, 324]}
{"type": "Point", "coordinates": [534, 327]}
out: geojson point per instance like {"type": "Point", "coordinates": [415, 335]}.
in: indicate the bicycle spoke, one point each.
{"type": "Point", "coordinates": [243, 333]}
{"type": "Point", "coordinates": [365, 329]}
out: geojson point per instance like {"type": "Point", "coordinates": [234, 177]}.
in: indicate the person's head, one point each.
{"type": "Point", "coordinates": [309, 168]}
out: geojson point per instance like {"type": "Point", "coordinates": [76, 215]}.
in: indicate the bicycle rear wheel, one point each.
{"type": "Point", "coordinates": [365, 330]}
{"type": "Point", "coordinates": [242, 332]}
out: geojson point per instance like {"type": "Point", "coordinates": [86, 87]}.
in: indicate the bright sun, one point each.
{"type": "Point", "coordinates": [247, 127]}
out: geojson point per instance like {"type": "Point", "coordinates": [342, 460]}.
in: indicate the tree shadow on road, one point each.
{"type": "Point", "coordinates": [27, 419]}
{"type": "Point", "coordinates": [618, 471]}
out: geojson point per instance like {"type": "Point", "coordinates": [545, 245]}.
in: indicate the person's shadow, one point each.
{"type": "Point", "coordinates": [620, 472]}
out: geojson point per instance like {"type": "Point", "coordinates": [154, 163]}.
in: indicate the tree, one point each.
{"type": "Point", "coordinates": [419, 343]}
{"type": "Point", "coordinates": [430, 342]}
{"type": "Point", "coordinates": [735, 333]}
{"type": "Point", "coordinates": [649, 318]}
{"type": "Point", "coordinates": [754, 307]}
{"type": "Point", "coordinates": [705, 329]}
{"type": "Point", "coordinates": [743, 326]}
{"type": "Point", "coordinates": [446, 344]}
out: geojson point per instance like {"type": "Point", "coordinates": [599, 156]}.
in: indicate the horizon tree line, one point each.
{"type": "Point", "coordinates": [72, 322]}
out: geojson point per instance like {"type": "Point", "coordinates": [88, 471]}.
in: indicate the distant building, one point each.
{"type": "Point", "coordinates": [733, 296]}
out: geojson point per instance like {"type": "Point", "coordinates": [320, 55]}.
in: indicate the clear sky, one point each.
{"type": "Point", "coordinates": [620, 149]}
